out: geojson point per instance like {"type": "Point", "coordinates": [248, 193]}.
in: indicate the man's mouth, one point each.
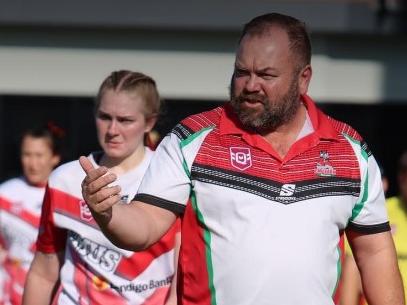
{"type": "Point", "coordinates": [252, 101]}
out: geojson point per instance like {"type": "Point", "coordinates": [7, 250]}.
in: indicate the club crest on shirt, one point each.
{"type": "Point", "coordinates": [324, 168]}
{"type": "Point", "coordinates": [240, 157]}
{"type": "Point", "coordinates": [85, 212]}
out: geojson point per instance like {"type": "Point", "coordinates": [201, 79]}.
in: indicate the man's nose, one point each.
{"type": "Point", "coordinates": [252, 84]}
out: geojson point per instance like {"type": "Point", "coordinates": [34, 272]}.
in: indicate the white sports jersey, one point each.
{"type": "Point", "coordinates": [20, 210]}
{"type": "Point", "coordinates": [260, 228]}
{"type": "Point", "coordinates": [95, 271]}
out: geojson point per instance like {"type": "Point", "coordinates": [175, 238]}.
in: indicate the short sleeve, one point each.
{"type": "Point", "coordinates": [51, 239]}
{"type": "Point", "coordinates": [166, 183]}
{"type": "Point", "coordinates": [369, 214]}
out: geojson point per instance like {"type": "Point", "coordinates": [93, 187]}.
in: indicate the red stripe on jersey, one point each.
{"type": "Point", "coordinates": [93, 290]}
{"type": "Point", "coordinates": [192, 264]}
{"type": "Point", "coordinates": [158, 297]}
{"type": "Point", "coordinates": [51, 239]}
{"type": "Point", "coordinates": [23, 214]}
{"type": "Point", "coordinates": [72, 207]}
{"type": "Point", "coordinates": [79, 278]}
{"type": "Point", "coordinates": [345, 128]}
{"type": "Point", "coordinates": [215, 152]}
{"type": "Point", "coordinates": [202, 120]}
{"type": "Point", "coordinates": [130, 268]}
{"type": "Point", "coordinates": [300, 163]}
{"type": "Point", "coordinates": [15, 282]}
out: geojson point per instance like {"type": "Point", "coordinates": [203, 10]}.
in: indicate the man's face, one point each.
{"type": "Point", "coordinates": [267, 83]}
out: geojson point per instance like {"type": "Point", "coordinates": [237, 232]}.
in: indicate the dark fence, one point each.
{"type": "Point", "coordinates": [382, 126]}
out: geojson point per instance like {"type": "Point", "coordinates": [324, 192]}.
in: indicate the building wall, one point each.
{"type": "Point", "coordinates": [65, 49]}
{"type": "Point", "coordinates": [53, 56]}
{"type": "Point", "coordinates": [347, 68]}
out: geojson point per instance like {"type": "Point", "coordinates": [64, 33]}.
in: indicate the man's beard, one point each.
{"type": "Point", "coordinates": [273, 115]}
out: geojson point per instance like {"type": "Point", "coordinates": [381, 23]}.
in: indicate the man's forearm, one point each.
{"type": "Point", "coordinates": [136, 226]}
{"type": "Point", "coordinates": [381, 279]}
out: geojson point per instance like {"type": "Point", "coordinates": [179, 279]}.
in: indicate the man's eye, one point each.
{"type": "Point", "coordinates": [240, 73]}
{"type": "Point", "coordinates": [266, 76]}
{"type": "Point", "coordinates": [103, 117]}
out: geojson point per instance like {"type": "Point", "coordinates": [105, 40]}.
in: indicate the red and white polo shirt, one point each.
{"type": "Point", "coordinates": [260, 229]}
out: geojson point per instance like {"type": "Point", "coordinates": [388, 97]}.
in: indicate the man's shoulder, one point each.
{"type": "Point", "coordinates": [329, 125]}
{"type": "Point", "coordinates": [198, 122]}
{"type": "Point", "coordinates": [351, 135]}
{"type": "Point", "coordinates": [345, 129]}
{"type": "Point", "coordinates": [204, 119]}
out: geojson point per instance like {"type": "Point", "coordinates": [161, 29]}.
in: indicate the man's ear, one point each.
{"type": "Point", "coordinates": [304, 78]}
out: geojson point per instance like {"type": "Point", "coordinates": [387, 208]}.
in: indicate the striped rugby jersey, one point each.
{"type": "Point", "coordinates": [95, 271]}
{"type": "Point", "coordinates": [259, 229]}
{"type": "Point", "coordinates": [20, 210]}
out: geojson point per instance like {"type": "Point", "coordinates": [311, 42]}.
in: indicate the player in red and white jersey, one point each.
{"type": "Point", "coordinates": [20, 209]}
{"type": "Point", "coordinates": [70, 247]}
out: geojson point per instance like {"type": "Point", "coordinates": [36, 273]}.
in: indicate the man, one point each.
{"type": "Point", "coordinates": [272, 184]}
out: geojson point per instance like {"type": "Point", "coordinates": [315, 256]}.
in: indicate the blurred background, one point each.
{"type": "Point", "coordinates": [54, 54]}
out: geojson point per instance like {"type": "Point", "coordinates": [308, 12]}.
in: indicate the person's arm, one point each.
{"type": "Point", "coordinates": [172, 296]}
{"type": "Point", "coordinates": [42, 279]}
{"type": "Point", "coordinates": [351, 289]}
{"type": "Point", "coordinates": [134, 226]}
{"type": "Point", "coordinates": [376, 258]}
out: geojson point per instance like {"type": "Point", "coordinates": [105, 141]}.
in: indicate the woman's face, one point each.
{"type": "Point", "coordinates": [37, 159]}
{"type": "Point", "coordinates": [121, 123]}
